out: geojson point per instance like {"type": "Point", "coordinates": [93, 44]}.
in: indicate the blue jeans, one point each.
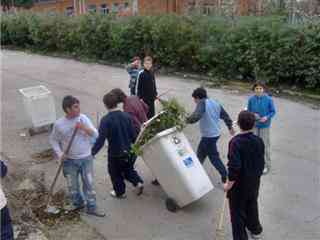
{"type": "Point", "coordinates": [208, 148]}
{"type": "Point", "coordinates": [133, 91]}
{"type": "Point", "coordinates": [72, 169]}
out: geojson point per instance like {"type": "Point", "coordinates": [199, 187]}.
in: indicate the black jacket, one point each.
{"type": "Point", "coordinates": [146, 86]}
{"type": "Point", "coordinates": [117, 128]}
{"type": "Point", "coordinates": [246, 157]}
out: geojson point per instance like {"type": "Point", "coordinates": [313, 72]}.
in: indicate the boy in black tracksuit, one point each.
{"type": "Point", "coordinates": [117, 128]}
{"type": "Point", "coordinates": [146, 86]}
{"type": "Point", "coordinates": [245, 167]}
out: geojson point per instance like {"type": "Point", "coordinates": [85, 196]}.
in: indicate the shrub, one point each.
{"type": "Point", "coordinates": [17, 29]}
{"type": "Point", "coordinates": [249, 48]}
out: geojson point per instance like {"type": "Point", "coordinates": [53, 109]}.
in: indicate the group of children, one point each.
{"type": "Point", "coordinates": [120, 127]}
{"type": "Point", "coordinates": [142, 82]}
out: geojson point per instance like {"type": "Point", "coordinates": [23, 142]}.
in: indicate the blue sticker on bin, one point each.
{"type": "Point", "coordinates": [188, 162]}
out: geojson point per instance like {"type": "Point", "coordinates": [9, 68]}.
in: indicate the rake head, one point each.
{"type": "Point", "coordinates": [52, 210]}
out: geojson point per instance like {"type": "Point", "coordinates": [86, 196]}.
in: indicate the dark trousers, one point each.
{"type": "Point", "coordinates": [208, 148]}
{"type": "Point", "coordinates": [243, 202]}
{"type": "Point", "coordinates": [133, 91]}
{"type": "Point", "coordinates": [133, 159]}
{"type": "Point", "coordinates": [132, 156]}
{"type": "Point", "coordinates": [151, 106]}
{"type": "Point", "coordinates": [6, 224]}
{"type": "Point", "coordinates": [120, 169]}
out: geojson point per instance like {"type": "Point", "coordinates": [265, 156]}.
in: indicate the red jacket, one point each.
{"type": "Point", "coordinates": [137, 109]}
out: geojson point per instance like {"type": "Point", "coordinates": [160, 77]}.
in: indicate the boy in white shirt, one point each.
{"type": "Point", "coordinates": [79, 161]}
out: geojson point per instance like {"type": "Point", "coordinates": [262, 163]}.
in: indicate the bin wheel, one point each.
{"type": "Point", "coordinates": [50, 127]}
{"type": "Point", "coordinates": [32, 132]}
{"type": "Point", "coordinates": [171, 205]}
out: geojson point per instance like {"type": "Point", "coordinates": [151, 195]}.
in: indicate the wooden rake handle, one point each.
{"type": "Point", "coordinates": [222, 213]}
{"type": "Point", "coordinates": [146, 124]}
{"type": "Point", "coordinates": [164, 93]}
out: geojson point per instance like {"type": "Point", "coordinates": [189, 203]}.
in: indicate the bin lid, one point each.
{"type": "Point", "coordinates": [160, 135]}
{"type": "Point", "coordinates": [35, 91]}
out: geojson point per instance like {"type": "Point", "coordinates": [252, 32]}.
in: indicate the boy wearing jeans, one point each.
{"type": "Point", "coordinates": [261, 105]}
{"type": "Point", "coordinates": [245, 167]}
{"type": "Point", "coordinates": [117, 128]}
{"type": "Point", "coordinates": [209, 112]}
{"type": "Point", "coordinates": [133, 70]}
{"type": "Point", "coordinates": [79, 161]}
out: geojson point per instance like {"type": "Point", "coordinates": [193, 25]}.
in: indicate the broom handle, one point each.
{"type": "Point", "coordinates": [146, 124]}
{"type": "Point", "coordinates": [61, 164]}
{"type": "Point", "coordinates": [164, 93]}
{"type": "Point", "coordinates": [222, 211]}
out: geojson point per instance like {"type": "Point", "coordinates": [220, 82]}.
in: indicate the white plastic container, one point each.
{"type": "Point", "coordinates": [39, 105]}
{"type": "Point", "coordinates": [173, 162]}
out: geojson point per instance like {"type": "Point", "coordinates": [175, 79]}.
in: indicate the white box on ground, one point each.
{"type": "Point", "coordinates": [39, 105]}
{"type": "Point", "coordinates": [173, 162]}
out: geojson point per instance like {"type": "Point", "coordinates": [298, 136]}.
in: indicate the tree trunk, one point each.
{"type": "Point", "coordinates": [259, 7]}
{"type": "Point", "coordinates": [75, 7]}
{"type": "Point", "coordinates": [243, 8]}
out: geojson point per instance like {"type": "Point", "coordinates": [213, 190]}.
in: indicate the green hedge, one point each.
{"type": "Point", "coordinates": [265, 48]}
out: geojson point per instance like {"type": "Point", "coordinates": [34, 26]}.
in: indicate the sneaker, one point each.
{"type": "Point", "coordinates": [155, 182]}
{"type": "Point", "coordinates": [96, 212]}
{"type": "Point", "coordinates": [256, 236]}
{"type": "Point", "coordinates": [113, 194]}
{"type": "Point", "coordinates": [139, 189]}
{"type": "Point", "coordinates": [265, 170]}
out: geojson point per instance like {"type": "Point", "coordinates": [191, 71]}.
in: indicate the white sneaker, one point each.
{"type": "Point", "coordinates": [139, 189]}
{"type": "Point", "coordinates": [265, 170]}
{"type": "Point", "coordinates": [256, 236]}
{"type": "Point", "coordinates": [113, 194]}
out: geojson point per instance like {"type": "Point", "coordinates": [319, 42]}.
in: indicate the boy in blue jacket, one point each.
{"type": "Point", "coordinates": [133, 70]}
{"type": "Point", "coordinates": [263, 108]}
{"type": "Point", "coordinates": [209, 112]}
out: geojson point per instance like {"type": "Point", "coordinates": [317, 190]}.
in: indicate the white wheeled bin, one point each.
{"type": "Point", "coordinates": [173, 162]}
{"type": "Point", "coordinates": [39, 105]}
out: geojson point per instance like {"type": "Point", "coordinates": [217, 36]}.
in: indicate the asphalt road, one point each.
{"type": "Point", "coordinates": [290, 193]}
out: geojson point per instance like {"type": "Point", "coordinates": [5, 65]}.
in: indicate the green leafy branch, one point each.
{"type": "Point", "coordinates": [174, 116]}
